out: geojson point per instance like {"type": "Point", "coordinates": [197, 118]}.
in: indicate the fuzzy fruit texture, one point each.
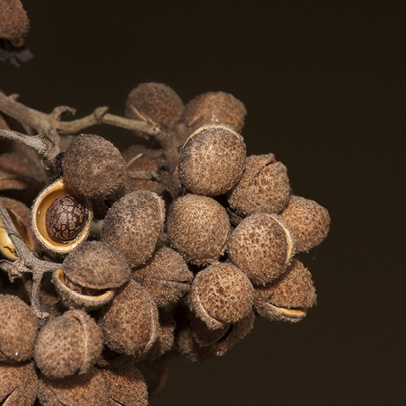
{"type": "Point", "coordinates": [155, 101]}
{"type": "Point", "coordinates": [212, 160]}
{"type": "Point", "coordinates": [14, 23]}
{"type": "Point", "coordinates": [264, 187]}
{"type": "Point", "coordinates": [309, 222]}
{"type": "Point", "coordinates": [95, 167]}
{"type": "Point", "coordinates": [221, 294]}
{"type": "Point", "coordinates": [68, 345]}
{"type": "Point", "coordinates": [133, 225]}
{"type": "Point", "coordinates": [198, 227]}
{"type": "Point", "coordinates": [261, 246]}
{"type": "Point", "coordinates": [18, 329]}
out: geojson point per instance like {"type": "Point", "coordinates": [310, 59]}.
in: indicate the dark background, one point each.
{"type": "Point", "coordinates": [324, 86]}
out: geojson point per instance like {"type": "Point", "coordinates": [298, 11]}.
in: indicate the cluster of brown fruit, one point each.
{"type": "Point", "coordinates": [176, 263]}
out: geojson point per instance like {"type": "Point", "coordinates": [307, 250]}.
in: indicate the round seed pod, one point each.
{"type": "Point", "coordinates": [309, 222]}
{"type": "Point", "coordinates": [18, 384]}
{"type": "Point", "coordinates": [130, 323]}
{"type": "Point", "coordinates": [140, 158]}
{"type": "Point", "coordinates": [89, 390]}
{"type": "Point", "coordinates": [166, 276]}
{"type": "Point", "coordinates": [212, 160]}
{"type": "Point", "coordinates": [14, 24]}
{"type": "Point", "coordinates": [20, 215]}
{"type": "Point", "coordinates": [125, 384]}
{"type": "Point", "coordinates": [154, 101]}
{"type": "Point", "coordinates": [202, 335]}
{"type": "Point", "coordinates": [198, 227]}
{"type": "Point", "coordinates": [264, 187]}
{"type": "Point", "coordinates": [95, 167]}
{"type": "Point", "coordinates": [61, 217]}
{"type": "Point", "coordinates": [221, 294]}
{"type": "Point", "coordinates": [18, 329]}
{"type": "Point", "coordinates": [133, 225]}
{"type": "Point", "coordinates": [21, 175]}
{"type": "Point", "coordinates": [89, 275]}
{"type": "Point", "coordinates": [68, 345]}
{"type": "Point", "coordinates": [214, 108]}
{"type": "Point", "coordinates": [289, 297]}
{"type": "Point", "coordinates": [188, 346]}
{"type": "Point", "coordinates": [262, 246]}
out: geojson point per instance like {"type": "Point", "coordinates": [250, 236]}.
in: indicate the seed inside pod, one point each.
{"type": "Point", "coordinates": [221, 294]}
{"type": "Point", "coordinates": [309, 222]}
{"type": "Point", "coordinates": [289, 297]}
{"type": "Point", "coordinates": [18, 329]}
{"type": "Point", "coordinates": [212, 160]}
{"type": "Point", "coordinates": [68, 345]}
{"type": "Point", "coordinates": [262, 246]}
{"type": "Point", "coordinates": [264, 187]}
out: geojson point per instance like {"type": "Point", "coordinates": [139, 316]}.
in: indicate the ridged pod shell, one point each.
{"type": "Point", "coordinates": [39, 209]}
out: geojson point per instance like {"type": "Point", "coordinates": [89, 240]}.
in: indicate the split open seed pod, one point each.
{"type": "Point", "coordinates": [20, 215]}
{"type": "Point", "coordinates": [68, 345]}
{"type": "Point", "coordinates": [288, 298]}
{"type": "Point", "coordinates": [61, 217]}
{"type": "Point", "coordinates": [18, 384]}
{"type": "Point", "coordinates": [90, 274]}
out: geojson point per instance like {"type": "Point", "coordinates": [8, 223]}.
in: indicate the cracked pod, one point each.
{"type": "Point", "coordinates": [264, 187]}
{"type": "Point", "coordinates": [90, 274]}
{"type": "Point", "coordinates": [61, 217]}
{"type": "Point", "coordinates": [68, 345]}
{"type": "Point", "coordinates": [221, 294]}
{"type": "Point", "coordinates": [95, 167]}
{"type": "Point", "coordinates": [20, 215]}
{"type": "Point", "coordinates": [309, 222]}
{"type": "Point", "coordinates": [166, 276]}
{"type": "Point", "coordinates": [130, 323]}
{"type": "Point", "coordinates": [198, 228]}
{"type": "Point", "coordinates": [289, 297]}
{"type": "Point", "coordinates": [18, 329]}
{"type": "Point", "coordinates": [212, 160]}
{"type": "Point", "coordinates": [262, 246]}
{"type": "Point", "coordinates": [156, 102]}
{"type": "Point", "coordinates": [133, 225]}
{"type": "Point", "coordinates": [18, 384]}
{"type": "Point", "coordinates": [89, 390]}
{"type": "Point", "coordinates": [214, 108]}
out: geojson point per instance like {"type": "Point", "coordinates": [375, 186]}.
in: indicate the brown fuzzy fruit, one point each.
{"type": "Point", "coordinates": [14, 23]}
{"type": "Point", "coordinates": [289, 297]}
{"type": "Point", "coordinates": [309, 222]}
{"type": "Point", "coordinates": [262, 246]}
{"type": "Point", "coordinates": [125, 383]}
{"type": "Point", "coordinates": [221, 294]}
{"type": "Point", "coordinates": [18, 384]}
{"type": "Point", "coordinates": [89, 390]}
{"type": "Point", "coordinates": [198, 227]}
{"type": "Point", "coordinates": [133, 225]}
{"type": "Point", "coordinates": [18, 329]}
{"type": "Point", "coordinates": [156, 102]}
{"type": "Point", "coordinates": [68, 345]}
{"type": "Point", "coordinates": [166, 276]}
{"type": "Point", "coordinates": [95, 167]}
{"type": "Point", "coordinates": [212, 160]}
{"type": "Point", "coordinates": [264, 187]}
{"type": "Point", "coordinates": [20, 215]}
{"type": "Point", "coordinates": [130, 323]}
{"type": "Point", "coordinates": [89, 273]}
{"type": "Point", "coordinates": [214, 108]}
